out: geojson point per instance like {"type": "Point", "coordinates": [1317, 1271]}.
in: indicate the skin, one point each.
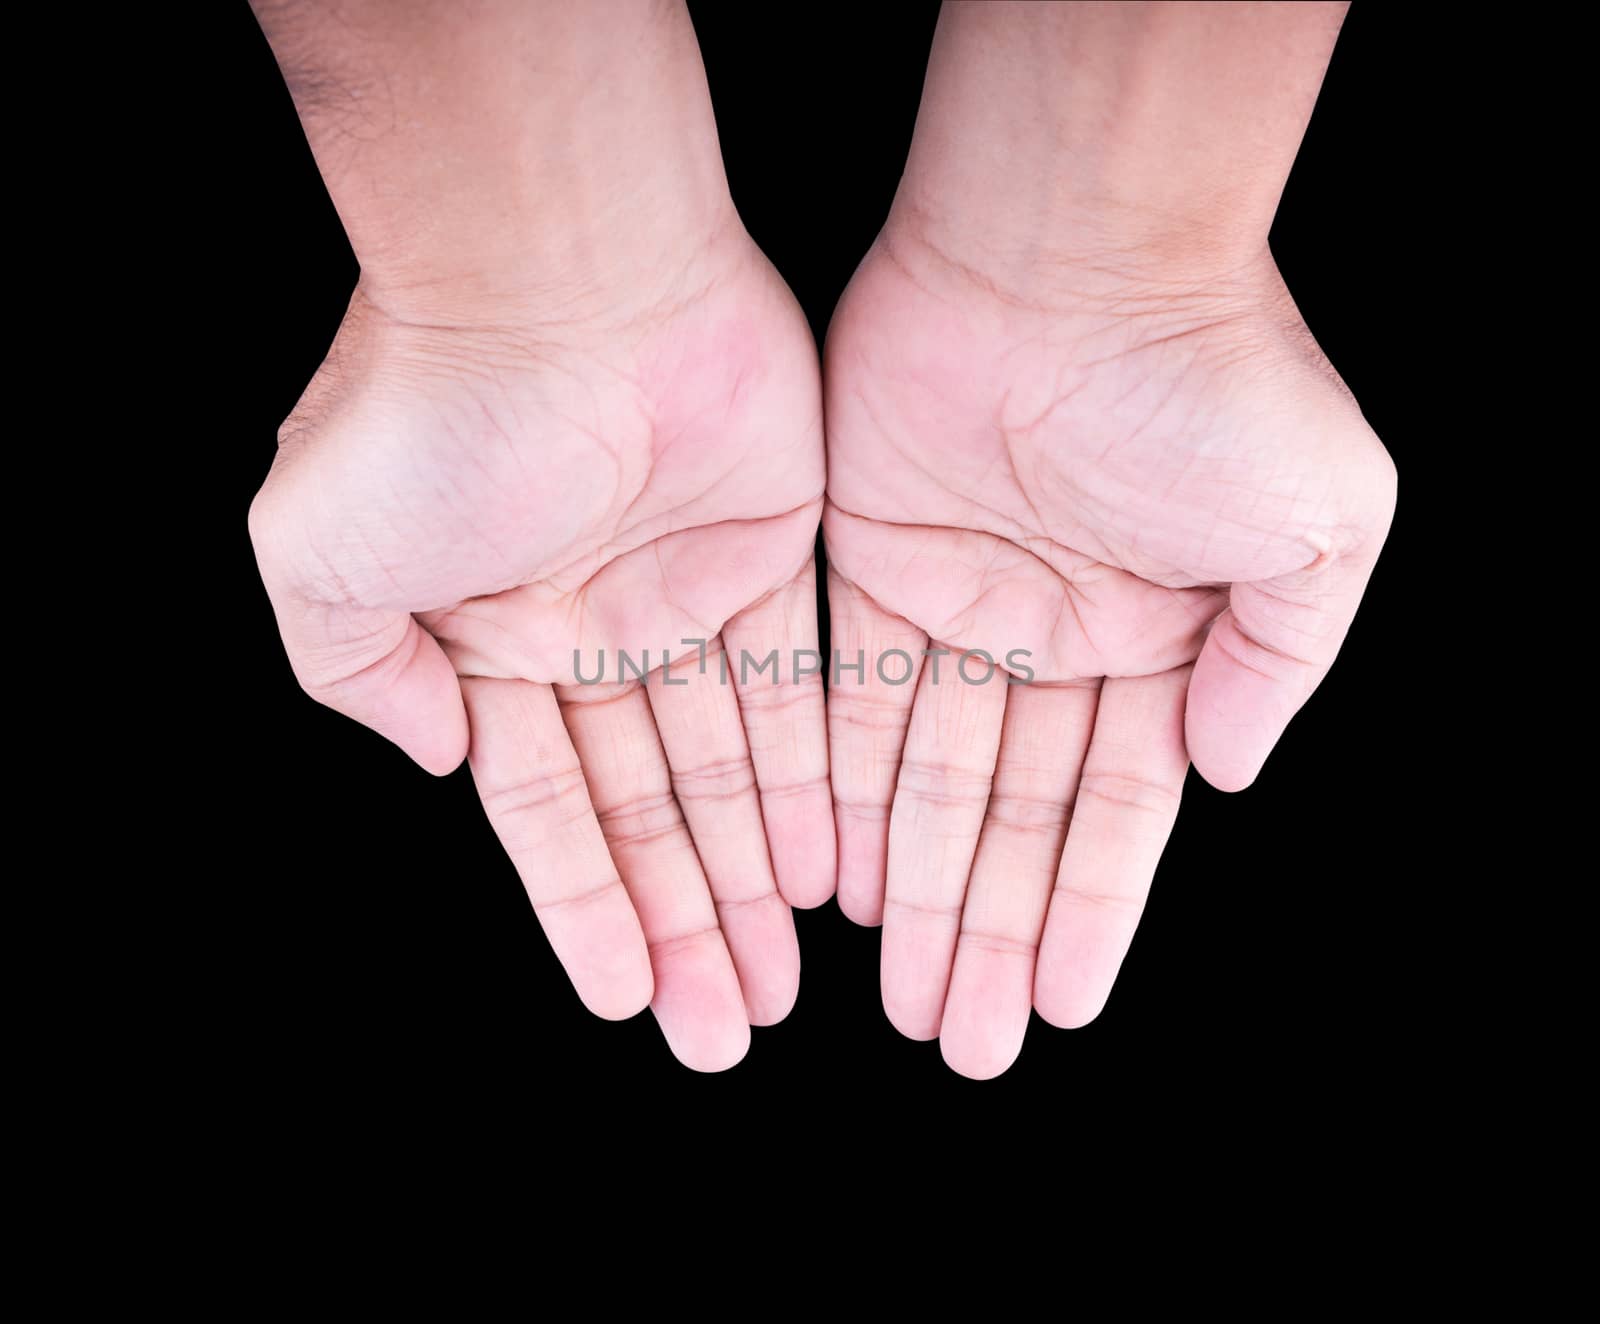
{"type": "Point", "coordinates": [557, 419]}
{"type": "Point", "coordinates": [1071, 408]}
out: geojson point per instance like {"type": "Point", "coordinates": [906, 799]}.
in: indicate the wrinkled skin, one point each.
{"type": "Point", "coordinates": [457, 506]}
{"type": "Point", "coordinates": [1160, 489]}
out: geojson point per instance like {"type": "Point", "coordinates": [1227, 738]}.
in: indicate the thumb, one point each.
{"type": "Point", "coordinates": [375, 665]}
{"type": "Point", "coordinates": [1266, 654]}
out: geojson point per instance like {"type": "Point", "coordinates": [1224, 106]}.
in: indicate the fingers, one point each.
{"type": "Point", "coordinates": [785, 726]}
{"type": "Point", "coordinates": [1272, 647]}
{"type": "Point", "coordinates": [381, 668]}
{"type": "Point", "coordinates": [869, 710]}
{"type": "Point", "coordinates": [1042, 746]}
{"type": "Point", "coordinates": [697, 999]}
{"type": "Point", "coordinates": [1127, 801]}
{"type": "Point", "coordinates": [939, 804]}
{"type": "Point", "coordinates": [697, 717]}
{"type": "Point", "coordinates": [533, 790]}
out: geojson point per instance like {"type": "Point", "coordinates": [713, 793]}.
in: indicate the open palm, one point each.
{"type": "Point", "coordinates": [463, 519]}
{"type": "Point", "coordinates": [1159, 502]}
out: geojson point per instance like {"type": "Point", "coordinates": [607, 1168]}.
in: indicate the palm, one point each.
{"type": "Point", "coordinates": [540, 501]}
{"type": "Point", "coordinates": [1082, 481]}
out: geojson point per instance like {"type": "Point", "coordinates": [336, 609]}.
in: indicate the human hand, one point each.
{"type": "Point", "coordinates": [608, 439]}
{"type": "Point", "coordinates": [1072, 435]}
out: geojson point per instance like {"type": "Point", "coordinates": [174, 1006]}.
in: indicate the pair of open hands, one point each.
{"type": "Point", "coordinates": [1157, 487]}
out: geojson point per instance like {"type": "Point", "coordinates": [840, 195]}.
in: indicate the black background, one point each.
{"type": "Point", "coordinates": [373, 954]}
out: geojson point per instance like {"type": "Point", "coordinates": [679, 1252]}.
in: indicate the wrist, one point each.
{"type": "Point", "coordinates": [1137, 141]}
{"type": "Point", "coordinates": [533, 155]}
{"type": "Point", "coordinates": [619, 243]}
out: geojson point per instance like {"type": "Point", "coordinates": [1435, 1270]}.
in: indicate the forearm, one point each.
{"type": "Point", "coordinates": [1098, 133]}
{"type": "Point", "coordinates": [476, 148]}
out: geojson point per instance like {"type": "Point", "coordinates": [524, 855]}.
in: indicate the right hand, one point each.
{"type": "Point", "coordinates": [1158, 488]}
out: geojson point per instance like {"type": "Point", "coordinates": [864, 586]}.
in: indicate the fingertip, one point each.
{"type": "Point", "coordinates": [604, 955]}
{"type": "Point", "coordinates": [911, 1022]}
{"type": "Point", "coordinates": [620, 999]}
{"type": "Point", "coordinates": [441, 761]}
{"type": "Point", "coordinates": [800, 837]}
{"type": "Point", "coordinates": [861, 867]}
{"type": "Point", "coordinates": [1069, 1011]}
{"type": "Point", "coordinates": [807, 872]}
{"type": "Point", "coordinates": [698, 1002]}
{"type": "Point", "coordinates": [421, 707]}
{"type": "Point", "coordinates": [808, 893]}
{"type": "Point", "coordinates": [976, 1057]}
{"type": "Point", "coordinates": [772, 1003]}
{"type": "Point", "coordinates": [986, 1009]}
{"type": "Point", "coordinates": [709, 1046]}
{"type": "Point", "coordinates": [861, 908]}
{"type": "Point", "coordinates": [1226, 775]}
{"type": "Point", "coordinates": [440, 749]}
{"type": "Point", "coordinates": [808, 876]}
{"type": "Point", "coordinates": [911, 1012]}
{"type": "Point", "coordinates": [761, 939]}
{"type": "Point", "coordinates": [1225, 756]}
{"type": "Point", "coordinates": [1065, 993]}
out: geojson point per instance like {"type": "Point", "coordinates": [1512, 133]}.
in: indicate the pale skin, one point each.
{"type": "Point", "coordinates": [1072, 408]}
{"type": "Point", "coordinates": [1069, 408]}
{"type": "Point", "coordinates": [571, 407]}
